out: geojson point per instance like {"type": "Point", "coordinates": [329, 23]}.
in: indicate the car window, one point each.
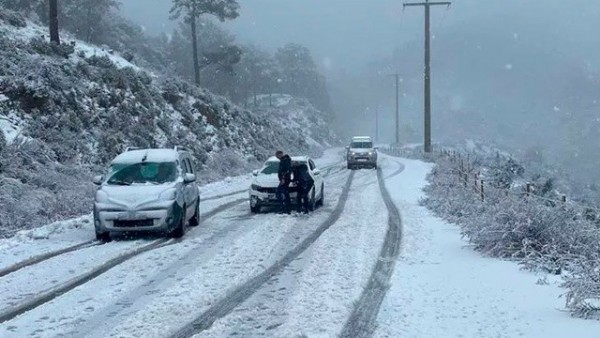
{"type": "Point", "coordinates": [142, 173]}
{"type": "Point", "coordinates": [187, 168]}
{"type": "Point", "coordinates": [191, 166]}
{"type": "Point", "coordinates": [364, 145]}
{"type": "Point", "coordinates": [270, 168]}
{"type": "Point", "coordinates": [312, 165]}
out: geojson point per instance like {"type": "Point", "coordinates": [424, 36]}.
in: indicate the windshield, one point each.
{"type": "Point", "coordinates": [366, 145]}
{"type": "Point", "coordinates": [142, 173]}
{"type": "Point", "coordinates": [270, 168]}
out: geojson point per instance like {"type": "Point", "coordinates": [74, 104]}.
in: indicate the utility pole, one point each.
{"type": "Point", "coordinates": [397, 120]}
{"type": "Point", "coordinates": [377, 124]}
{"type": "Point", "coordinates": [427, 4]}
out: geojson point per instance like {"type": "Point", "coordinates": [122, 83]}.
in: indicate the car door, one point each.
{"type": "Point", "coordinates": [190, 190]}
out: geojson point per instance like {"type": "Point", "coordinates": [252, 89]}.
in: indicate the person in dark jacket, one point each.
{"type": "Point", "coordinates": [304, 183]}
{"type": "Point", "coordinates": [285, 175]}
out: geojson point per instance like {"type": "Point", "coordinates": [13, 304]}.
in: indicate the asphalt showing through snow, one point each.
{"type": "Point", "coordinates": [362, 321]}
{"type": "Point", "coordinates": [240, 294]}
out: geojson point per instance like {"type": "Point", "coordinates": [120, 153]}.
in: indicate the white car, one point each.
{"type": "Point", "coordinates": [264, 186]}
{"type": "Point", "coordinates": [361, 153]}
{"type": "Point", "coordinates": [149, 190]}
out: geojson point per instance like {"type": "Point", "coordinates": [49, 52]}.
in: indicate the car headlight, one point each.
{"type": "Point", "coordinates": [352, 153]}
{"type": "Point", "coordinates": [255, 187]}
{"type": "Point", "coordinates": [101, 196]}
{"type": "Point", "coordinates": [168, 195]}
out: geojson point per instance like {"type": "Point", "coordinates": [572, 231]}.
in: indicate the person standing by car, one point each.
{"type": "Point", "coordinates": [285, 174]}
{"type": "Point", "coordinates": [304, 183]}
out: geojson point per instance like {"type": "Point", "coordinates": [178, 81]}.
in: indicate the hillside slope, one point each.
{"type": "Point", "coordinates": [66, 111]}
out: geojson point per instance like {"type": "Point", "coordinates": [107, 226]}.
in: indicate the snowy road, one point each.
{"type": "Point", "coordinates": [370, 262]}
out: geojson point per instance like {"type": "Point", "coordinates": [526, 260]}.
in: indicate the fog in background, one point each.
{"type": "Point", "coordinates": [524, 75]}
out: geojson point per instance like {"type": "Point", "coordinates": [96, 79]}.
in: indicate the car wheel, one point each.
{"type": "Point", "coordinates": [255, 209]}
{"type": "Point", "coordinates": [179, 231]}
{"type": "Point", "coordinates": [312, 204]}
{"type": "Point", "coordinates": [322, 199]}
{"type": "Point", "coordinates": [103, 236]}
{"type": "Point", "coordinates": [349, 167]}
{"type": "Point", "coordinates": [195, 220]}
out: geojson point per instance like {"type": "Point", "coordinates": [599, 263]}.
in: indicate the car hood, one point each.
{"type": "Point", "coordinates": [266, 181]}
{"type": "Point", "coordinates": [133, 195]}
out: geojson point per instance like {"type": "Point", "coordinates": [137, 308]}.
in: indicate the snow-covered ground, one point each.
{"type": "Point", "coordinates": [440, 286]}
{"type": "Point", "coordinates": [81, 48]}
{"type": "Point", "coordinates": [443, 288]}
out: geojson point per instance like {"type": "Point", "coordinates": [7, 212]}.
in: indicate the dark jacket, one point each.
{"type": "Point", "coordinates": [285, 169]}
{"type": "Point", "coordinates": [302, 176]}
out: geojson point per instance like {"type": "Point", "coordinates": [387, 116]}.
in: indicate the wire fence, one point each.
{"type": "Point", "coordinates": [472, 177]}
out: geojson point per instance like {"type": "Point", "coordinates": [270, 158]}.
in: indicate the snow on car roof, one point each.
{"type": "Point", "coordinates": [294, 159]}
{"type": "Point", "coordinates": [150, 155]}
{"type": "Point", "coordinates": [361, 138]}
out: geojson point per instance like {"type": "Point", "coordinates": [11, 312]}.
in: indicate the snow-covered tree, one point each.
{"type": "Point", "coordinates": [191, 10]}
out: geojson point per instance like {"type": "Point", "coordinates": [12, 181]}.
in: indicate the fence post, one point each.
{"type": "Point", "coordinates": [564, 198]}
{"type": "Point", "coordinates": [476, 175]}
{"type": "Point", "coordinates": [528, 189]}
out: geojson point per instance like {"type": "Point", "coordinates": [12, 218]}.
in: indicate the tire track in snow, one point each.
{"type": "Point", "coordinates": [240, 294]}
{"type": "Point", "coordinates": [52, 293]}
{"type": "Point", "coordinates": [361, 322]}
{"type": "Point", "coordinates": [44, 257]}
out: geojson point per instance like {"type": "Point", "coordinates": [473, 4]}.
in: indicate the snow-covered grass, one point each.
{"type": "Point", "coordinates": [538, 230]}
{"type": "Point", "coordinates": [442, 287]}
{"type": "Point", "coordinates": [82, 49]}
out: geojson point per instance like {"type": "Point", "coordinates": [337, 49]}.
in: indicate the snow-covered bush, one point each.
{"type": "Point", "coordinates": [78, 113]}
{"type": "Point", "coordinates": [537, 229]}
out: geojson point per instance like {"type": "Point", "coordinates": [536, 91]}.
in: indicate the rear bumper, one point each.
{"type": "Point", "coordinates": [360, 161]}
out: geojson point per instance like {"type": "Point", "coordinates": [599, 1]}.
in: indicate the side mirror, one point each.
{"type": "Point", "coordinates": [97, 180]}
{"type": "Point", "coordinates": [255, 173]}
{"type": "Point", "coordinates": [347, 147]}
{"type": "Point", "coordinates": [317, 172]}
{"type": "Point", "coordinates": [189, 178]}
{"type": "Point", "coordinates": [376, 148]}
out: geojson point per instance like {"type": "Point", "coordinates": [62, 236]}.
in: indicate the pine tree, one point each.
{"type": "Point", "coordinates": [191, 10]}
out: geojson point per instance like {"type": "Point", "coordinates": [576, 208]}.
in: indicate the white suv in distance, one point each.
{"type": "Point", "coordinates": [149, 190]}
{"type": "Point", "coordinates": [361, 153]}
{"type": "Point", "coordinates": [265, 183]}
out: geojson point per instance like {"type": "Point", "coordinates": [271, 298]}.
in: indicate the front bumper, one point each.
{"type": "Point", "coordinates": [154, 220]}
{"type": "Point", "coordinates": [258, 198]}
{"type": "Point", "coordinates": [362, 160]}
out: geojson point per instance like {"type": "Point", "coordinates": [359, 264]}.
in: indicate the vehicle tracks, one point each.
{"type": "Point", "coordinates": [52, 293]}
{"type": "Point", "coordinates": [361, 322]}
{"type": "Point", "coordinates": [44, 257]}
{"type": "Point", "coordinates": [241, 293]}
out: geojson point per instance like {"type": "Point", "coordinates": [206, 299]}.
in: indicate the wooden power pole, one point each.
{"type": "Point", "coordinates": [427, 4]}
{"type": "Point", "coordinates": [397, 116]}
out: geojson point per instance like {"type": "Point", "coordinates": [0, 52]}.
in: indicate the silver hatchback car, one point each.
{"type": "Point", "coordinates": [149, 190]}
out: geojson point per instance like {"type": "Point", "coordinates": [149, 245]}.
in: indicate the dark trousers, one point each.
{"type": "Point", "coordinates": [283, 196]}
{"type": "Point", "coordinates": [303, 198]}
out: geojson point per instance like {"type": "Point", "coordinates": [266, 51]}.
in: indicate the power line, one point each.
{"type": "Point", "coordinates": [427, 115]}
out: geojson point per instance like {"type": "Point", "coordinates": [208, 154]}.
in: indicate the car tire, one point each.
{"type": "Point", "coordinates": [349, 167]}
{"type": "Point", "coordinates": [255, 209]}
{"type": "Point", "coordinates": [103, 236]}
{"type": "Point", "coordinates": [179, 231]}
{"type": "Point", "coordinates": [322, 199]}
{"type": "Point", "coordinates": [195, 220]}
{"type": "Point", "coordinates": [312, 205]}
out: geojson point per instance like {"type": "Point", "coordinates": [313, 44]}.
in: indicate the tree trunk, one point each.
{"type": "Point", "coordinates": [53, 13]}
{"type": "Point", "coordinates": [195, 47]}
